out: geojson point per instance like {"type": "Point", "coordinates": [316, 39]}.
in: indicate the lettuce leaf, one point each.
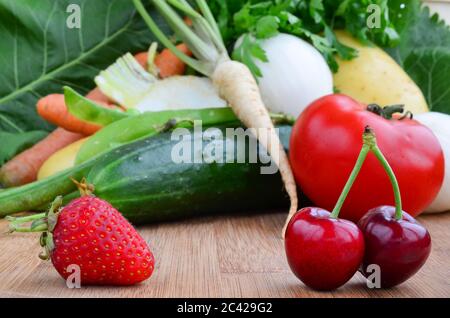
{"type": "Point", "coordinates": [39, 54]}
{"type": "Point", "coordinates": [424, 51]}
{"type": "Point", "coordinates": [13, 143]}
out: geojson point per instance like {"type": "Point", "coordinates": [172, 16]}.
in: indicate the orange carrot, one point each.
{"type": "Point", "coordinates": [168, 64]}
{"type": "Point", "coordinates": [141, 58]}
{"type": "Point", "coordinates": [53, 109]}
{"type": "Point", "coordinates": [24, 167]}
{"type": "Point", "coordinates": [188, 21]}
{"type": "Point", "coordinates": [97, 95]}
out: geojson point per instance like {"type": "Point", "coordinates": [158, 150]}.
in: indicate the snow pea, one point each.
{"type": "Point", "coordinates": [88, 110]}
{"type": "Point", "coordinates": [148, 124]}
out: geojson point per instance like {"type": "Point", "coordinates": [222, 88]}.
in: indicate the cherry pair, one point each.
{"type": "Point", "coordinates": [324, 252]}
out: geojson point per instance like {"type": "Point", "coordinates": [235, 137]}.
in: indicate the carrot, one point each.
{"type": "Point", "coordinates": [187, 21]}
{"type": "Point", "coordinates": [142, 58]}
{"type": "Point", "coordinates": [233, 79]}
{"type": "Point", "coordinates": [97, 95]}
{"type": "Point", "coordinates": [53, 109]}
{"type": "Point", "coordinates": [169, 64]}
{"type": "Point", "coordinates": [24, 167]}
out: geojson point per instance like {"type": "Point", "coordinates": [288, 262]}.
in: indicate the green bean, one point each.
{"type": "Point", "coordinates": [33, 195]}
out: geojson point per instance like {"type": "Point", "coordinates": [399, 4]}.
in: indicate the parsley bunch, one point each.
{"type": "Point", "coordinates": [311, 20]}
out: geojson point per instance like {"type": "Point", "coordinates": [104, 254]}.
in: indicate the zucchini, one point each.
{"type": "Point", "coordinates": [142, 181]}
{"type": "Point", "coordinates": [145, 185]}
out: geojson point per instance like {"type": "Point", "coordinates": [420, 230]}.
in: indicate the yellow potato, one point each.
{"type": "Point", "coordinates": [60, 160]}
{"type": "Point", "coordinates": [374, 77]}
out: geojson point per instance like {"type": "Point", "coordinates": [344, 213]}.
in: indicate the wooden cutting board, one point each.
{"type": "Point", "coordinates": [238, 256]}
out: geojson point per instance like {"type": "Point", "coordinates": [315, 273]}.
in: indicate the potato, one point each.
{"type": "Point", "coordinates": [374, 77]}
{"type": "Point", "coordinates": [60, 160]}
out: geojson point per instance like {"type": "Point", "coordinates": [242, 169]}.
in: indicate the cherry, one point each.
{"type": "Point", "coordinates": [395, 242]}
{"type": "Point", "coordinates": [323, 252]}
{"type": "Point", "coordinates": [399, 246]}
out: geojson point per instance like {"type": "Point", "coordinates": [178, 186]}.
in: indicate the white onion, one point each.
{"type": "Point", "coordinates": [296, 74]}
{"type": "Point", "coordinates": [440, 125]}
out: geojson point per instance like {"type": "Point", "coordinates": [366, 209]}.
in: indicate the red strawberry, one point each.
{"type": "Point", "coordinates": [92, 234]}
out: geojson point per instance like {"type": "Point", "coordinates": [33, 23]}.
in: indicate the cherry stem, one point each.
{"type": "Point", "coordinates": [387, 168]}
{"type": "Point", "coordinates": [370, 145]}
{"type": "Point", "coordinates": [359, 162]}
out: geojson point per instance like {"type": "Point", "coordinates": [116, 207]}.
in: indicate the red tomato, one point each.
{"type": "Point", "coordinates": [326, 141]}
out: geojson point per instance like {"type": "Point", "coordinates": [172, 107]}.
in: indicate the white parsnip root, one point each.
{"type": "Point", "coordinates": [233, 80]}
{"type": "Point", "coordinates": [238, 87]}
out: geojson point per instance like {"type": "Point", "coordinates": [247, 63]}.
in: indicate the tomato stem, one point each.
{"type": "Point", "coordinates": [387, 111]}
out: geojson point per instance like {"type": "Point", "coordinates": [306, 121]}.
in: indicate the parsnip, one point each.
{"type": "Point", "coordinates": [233, 80]}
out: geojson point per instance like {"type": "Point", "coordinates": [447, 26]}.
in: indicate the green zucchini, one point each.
{"type": "Point", "coordinates": [142, 181]}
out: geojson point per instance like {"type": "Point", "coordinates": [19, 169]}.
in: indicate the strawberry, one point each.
{"type": "Point", "coordinates": [91, 233]}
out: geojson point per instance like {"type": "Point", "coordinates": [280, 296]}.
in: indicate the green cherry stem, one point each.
{"type": "Point", "coordinates": [370, 145]}
{"type": "Point", "coordinates": [397, 197]}
{"type": "Point", "coordinates": [359, 162]}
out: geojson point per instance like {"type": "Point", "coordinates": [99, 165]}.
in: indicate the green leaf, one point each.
{"type": "Point", "coordinates": [87, 110]}
{"type": "Point", "coordinates": [243, 19]}
{"type": "Point", "coordinates": [266, 27]}
{"type": "Point", "coordinates": [424, 51]}
{"type": "Point", "coordinates": [247, 51]}
{"type": "Point", "coordinates": [430, 69]}
{"type": "Point", "coordinates": [13, 143]}
{"type": "Point", "coordinates": [39, 54]}
{"type": "Point", "coordinates": [311, 20]}
{"type": "Point", "coordinates": [316, 10]}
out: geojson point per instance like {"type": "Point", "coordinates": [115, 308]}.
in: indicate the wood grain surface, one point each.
{"type": "Point", "coordinates": [227, 256]}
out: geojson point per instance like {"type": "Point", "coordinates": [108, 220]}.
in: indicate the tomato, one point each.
{"type": "Point", "coordinates": [326, 141]}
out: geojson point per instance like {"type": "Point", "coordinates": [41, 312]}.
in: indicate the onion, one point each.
{"type": "Point", "coordinates": [440, 125]}
{"type": "Point", "coordinates": [295, 75]}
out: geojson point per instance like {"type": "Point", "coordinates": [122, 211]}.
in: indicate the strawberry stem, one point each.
{"type": "Point", "coordinates": [86, 189]}
{"type": "Point", "coordinates": [42, 222]}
